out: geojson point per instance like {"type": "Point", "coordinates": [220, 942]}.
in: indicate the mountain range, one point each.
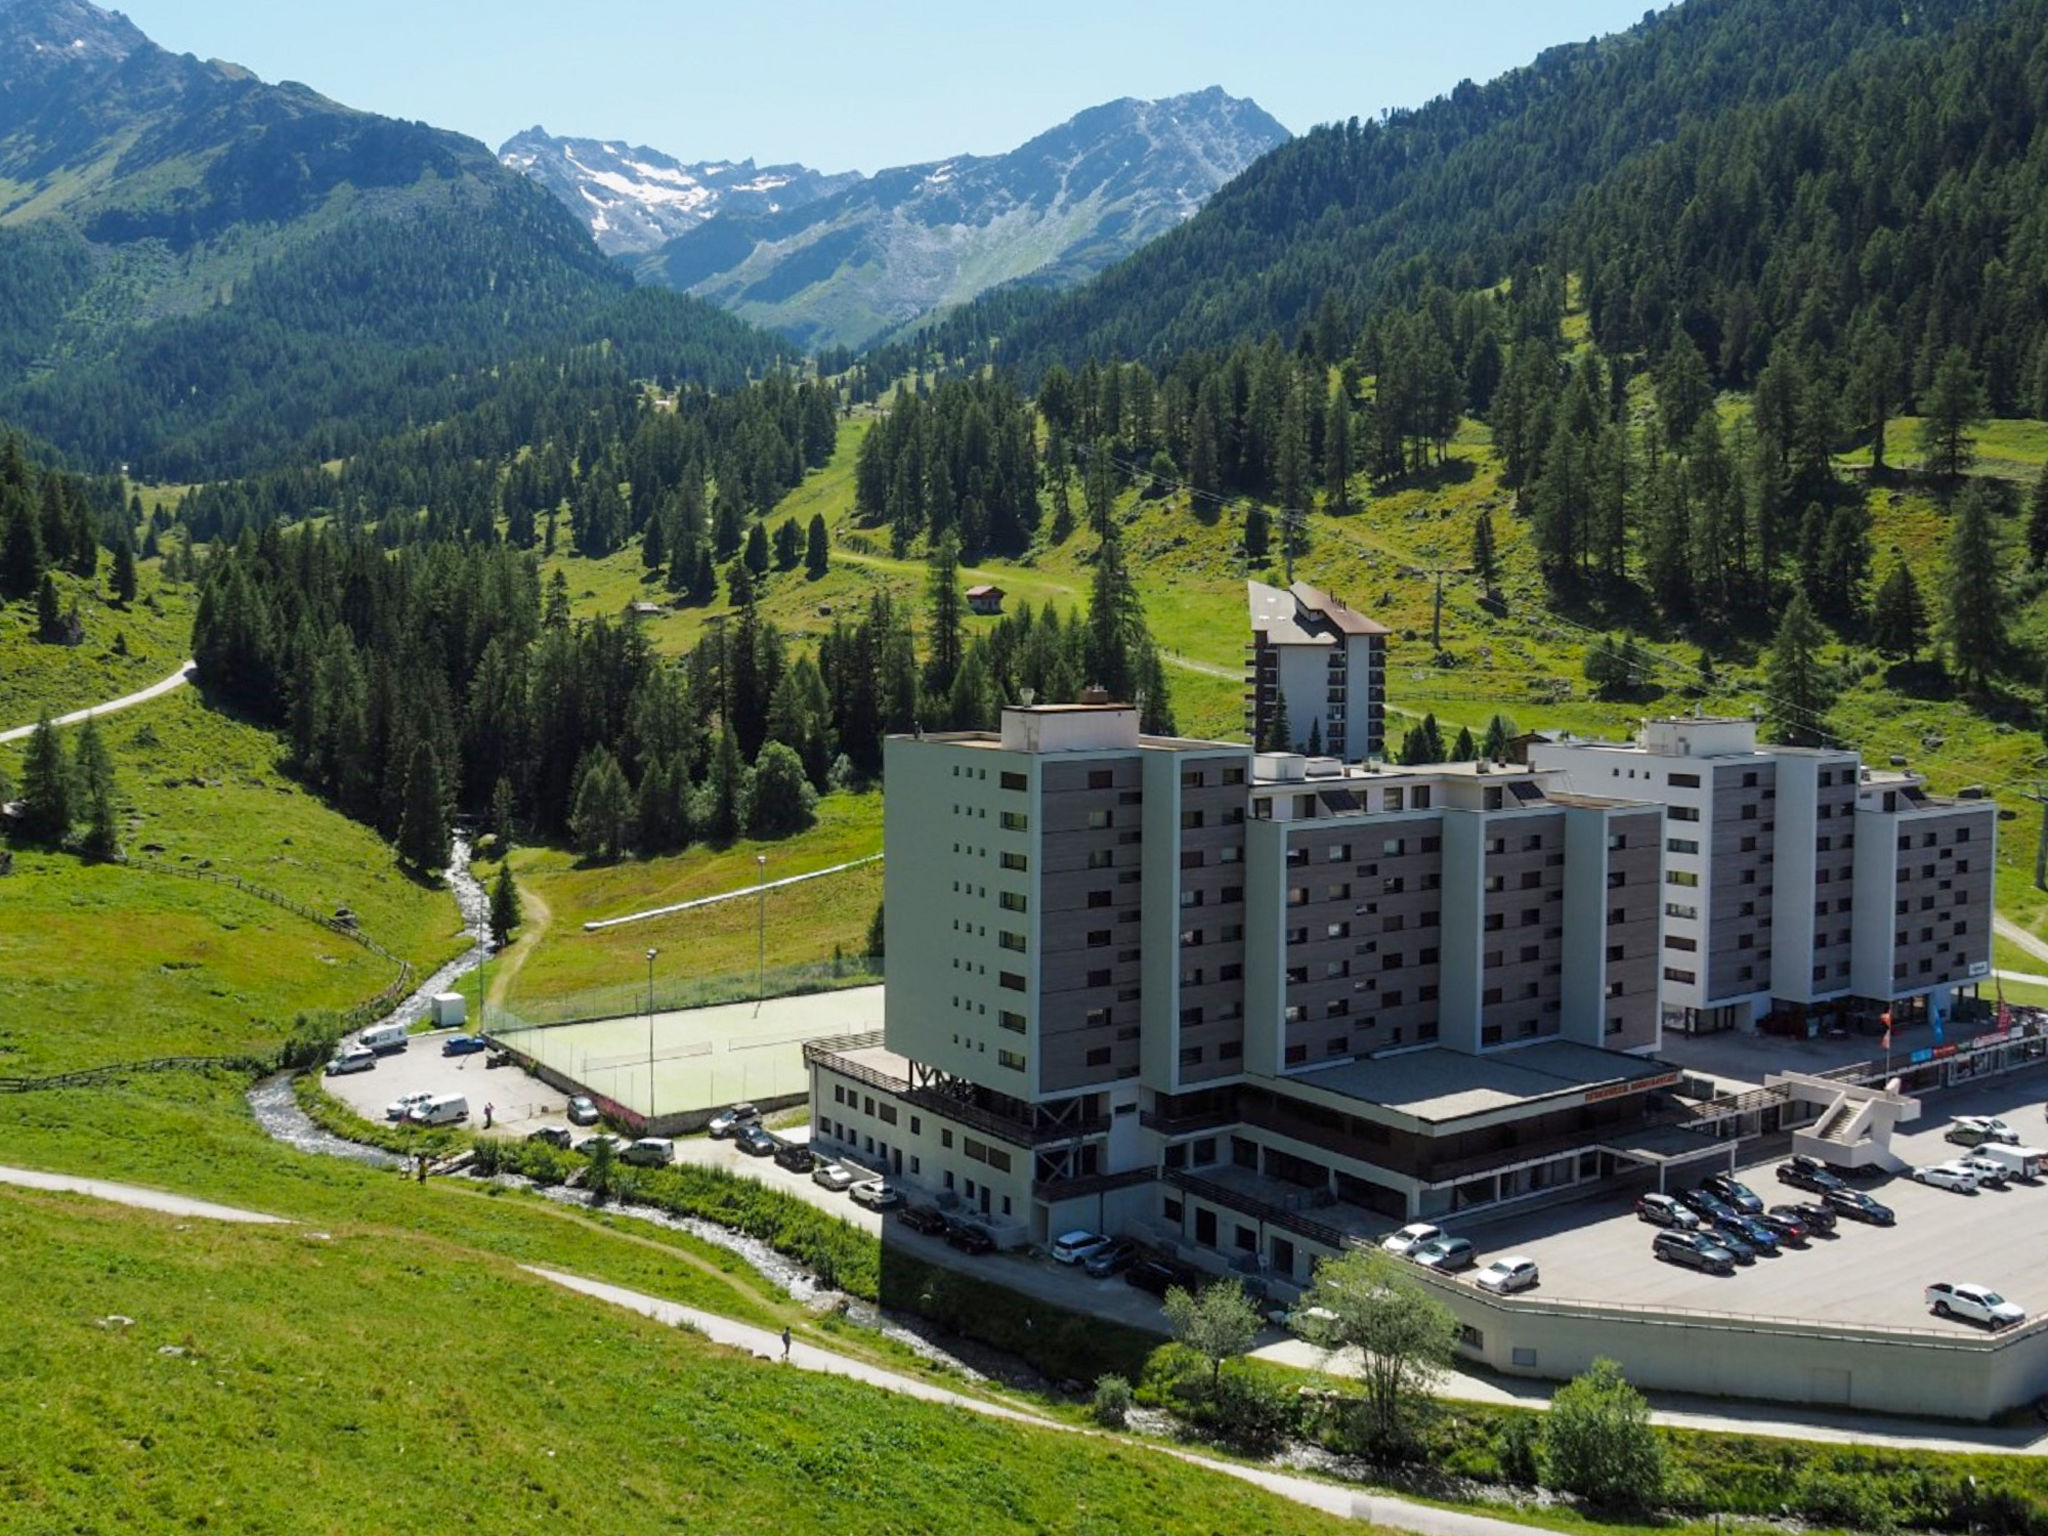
{"type": "Point", "coordinates": [837, 261]}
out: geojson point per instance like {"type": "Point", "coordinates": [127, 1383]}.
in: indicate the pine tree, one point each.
{"type": "Point", "coordinates": [1974, 600]}
{"type": "Point", "coordinates": [21, 547]}
{"type": "Point", "coordinates": [654, 543]}
{"type": "Point", "coordinates": [1953, 407]}
{"type": "Point", "coordinates": [1465, 750]}
{"type": "Point", "coordinates": [49, 611]}
{"type": "Point", "coordinates": [2037, 521]}
{"type": "Point", "coordinates": [124, 571]}
{"type": "Point", "coordinates": [1315, 737]}
{"type": "Point", "coordinates": [1485, 560]}
{"type": "Point", "coordinates": [719, 802]}
{"type": "Point", "coordinates": [1499, 731]}
{"type": "Point", "coordinates": [47, 796]}
{"type": "Point", "coordinates": [602, 808]}
{"type": "Point", "coordinates": [505, 913]}
{"type": "Point", "coordinates": [817, 549]}
{"type": "Point", "coordinates": [1898, 615]}
{"type": "Point", "coordinates": [556, 614]}
{"type": "Point", "coordinates": [423, 831]}
{"type": "Point", "coordinates": [1279, 735]}
{"type": "Point", "coordinates": [944, 609]}
{"type": "Point", "coordinates": [501, 814]}
{"type": "Point", "coordinates": [1337, 464]}
{"type": "Point", "coordinates": [1802, 686]}
{"type": "Point", "coordinates": [789, 544]}
{"type": "Point", "coordinates": [94, 780]}
{"type": "Point", "coordinates": [1258, 533]}
{"type": "Point", "coordinates": [757, 550]}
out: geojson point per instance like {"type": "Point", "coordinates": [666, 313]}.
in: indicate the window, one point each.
{"type": "Point", "coordinates": [1015, 781]}
{"type": "Point", "coordinates": [1685, 877]}
{"type": "Point", "coordinates": [1191, 1055]}
{"type": "Point", "coordinates": [1191, 820]}
{"type": "Point", "coordinates": [1683, 813]}
{"type": "Point", "coordinates": [1016, 821]}
{"type": "Point", "coordinates": [1011, 941]}
{"type": "Point", "coordinates": [1011, 901]}
{"type": "Point", "coordinates": [1684, 781]}
{"type": "Point", "coordinates": [1097, 1018]}
{"type": "Point", "coordinates": [1014, 1060]}
{"type": "Point", "coordinates": [1684, 978]}
{"type": "Point", "coordinates": [1099, 1057]}
{"type": "Point", "coordinates": [1013, 1022]}
{"type": "Point", "coordinates": [1680, 909]}
{"type": "Point", "coordinates": [1101, 778]}
{"type": "Point", "coordinates": [1015, 861]}
{"type": "Point", "coordinates": [1681, 845]}
{"type": "Point", "coordinates": [1101, 898]}
{"type": "Point", "coordinates": [1097, 820]}
{"type": "Point", "coordinates": [1099, 938]}
{"type": "Point", "coordinates": [1010, 981]}
{"type": "Point", "coordinates": [1096, 979]}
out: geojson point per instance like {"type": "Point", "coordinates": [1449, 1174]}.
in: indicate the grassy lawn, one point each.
{"type": "Point", "coordinates": [301, 1399]}
{"type": "Point", "coordinates": [156, 630]}
{"type": "Point", "coordinates": [105, 963]}
{"type": "Point", "coordinates": [554, 957]}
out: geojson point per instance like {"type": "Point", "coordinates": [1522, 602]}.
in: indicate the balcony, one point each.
{"type": "Point", "coordinates": [1257, 1197]}
{"type": "Point", "coordinates": [1091, 1184]}
{"type": "Point", "coordinates": [1017, 1132]}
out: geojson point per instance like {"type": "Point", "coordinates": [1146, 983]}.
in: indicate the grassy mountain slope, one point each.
{"type": "Point", "coordinates": [200, 271]}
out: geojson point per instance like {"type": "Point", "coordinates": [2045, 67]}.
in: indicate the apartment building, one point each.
{"type": "Point", "coordinates": [1320, 663]}
{"type": "Point", "coordinates": [1254, 1004]}
{"type": "Point", "coordinates": [1803, 890]}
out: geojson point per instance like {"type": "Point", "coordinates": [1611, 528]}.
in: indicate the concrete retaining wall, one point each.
{"type": "Point", "coordinates": [1954, 1373]}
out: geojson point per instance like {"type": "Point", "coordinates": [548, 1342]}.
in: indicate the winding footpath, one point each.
{"type": "Point", "coordinates": [178, 679]}
{"type": "Point", "coordinates": [1395, 1514]}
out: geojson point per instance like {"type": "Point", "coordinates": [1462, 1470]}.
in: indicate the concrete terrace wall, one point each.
{"type": "Point", "coordinates": [1956, 1373]}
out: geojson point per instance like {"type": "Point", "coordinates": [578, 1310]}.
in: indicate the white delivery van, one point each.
{"type": "Point", "coordinates": [650, 1152]}
{"type": "Point", "coordinates": [2018, 1162]}
{"type": "Point", "coordinates": [441, 1109]}
{"type": "Point", "coordinates": [383, 1038]}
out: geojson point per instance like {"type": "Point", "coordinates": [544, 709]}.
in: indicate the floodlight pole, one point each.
{"type": "Point", "coordinates": [760, 929]}
{"type": "Point", "coordinates": [650, 1035]}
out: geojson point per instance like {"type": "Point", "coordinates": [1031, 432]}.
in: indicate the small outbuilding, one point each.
{"type": "Point", "coordinates": [985, 600]}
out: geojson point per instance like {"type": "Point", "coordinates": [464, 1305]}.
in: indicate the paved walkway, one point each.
{"type": "Point", "coordinates": [185, 673]}
{"type": "Point", "coordinates": [745, 890]}
{"type": "Point", "coordinates": [135, 1195]}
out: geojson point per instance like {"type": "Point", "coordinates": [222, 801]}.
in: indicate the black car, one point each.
{"type": "Point", "coordinates": [1735, 1192]}
{"type": "Point", "coordinates": [1858, 1206]}
{"type": "Point", "coordinates": [1754, 1230]}
{"type": "Point", "coordinates": [1820, 1221]}
{"type": "Point", "coordinates": [1808, 1173]}
{"type": "Point", "coordinates": [553, 1135]}
{"type": "Point", "coordinates": [1115, 1259]}
{"type": "Point", "coordinates": [795, 1156]}
{"type": "Point", "coordinates": [756, 1142]}
{"type": "Point", "coordinates": [1788, 1222]}
{"type": "Point", "coordinates": [1706, 1204]}
{"type": "Point", "coordinates": [1159, 1276]}
{"type": "Point", "coordinates": [969, 1237]}
{"type": "Point", "coordinates": [922, 1218]}
{"type": "Point", "coordinates": [1694, 1250]}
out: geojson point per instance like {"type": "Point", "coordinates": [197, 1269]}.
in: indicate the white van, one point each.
{"type": "Point", "coordinates": [383, 1038]}
{"type": "Point", "coordinates": [2018, 1162]}
{"type": "Point", "coordinates": [441, 1109]}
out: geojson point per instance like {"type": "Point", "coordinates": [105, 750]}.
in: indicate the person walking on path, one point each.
{"type": "Point", "coordinates": [489, 1110]}
{"type": "Point", "coordinates": [785, 1341]}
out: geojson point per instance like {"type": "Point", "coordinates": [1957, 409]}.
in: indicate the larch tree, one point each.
{"type": "Point", "coordinates": [1898, 614]}
{"type": "Point", "coordinates": [1951, 411]}
{"type": "Point", "coordinates": [47, 797]}
{"type": "Point", "coordinates": [1973, 606]}
{"type": "Point", "coordinates": [93, 769]}
{"type": "Point", "coordinates": [1802, 685]}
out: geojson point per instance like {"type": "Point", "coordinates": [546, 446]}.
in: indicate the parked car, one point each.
{"type": "Point", "coordinates": [795, 1156]}
{"type": "Point", "coordinates": [589, 1144]}
{"type": "Point", "coordinates": [1811, 1173]}
{"type": "Point", "coordinates": [969, 1237]}
{"type": "Point", "coordinates": [1947, 1176]}
{"type": "Point", "coordinates": [922, 1218]}
{"type": "Point", "coordinates": [1727, 1235]}
{"type": "Point", "coordinates": [2014, 1162]}
{"type": "Point", "coordinates": [1665, 1211]}
{"type": "Point", "coordinates": [1973, 1130]}
{"type": "Point", "coordinates": [876, 1195]}
{"type": "Point", "coordinates": [1977, 1303]}
{"type": "Point", "coordinates": [402, 1106]}
{"type": "Point", "coordinates": [833, 1176]}
{"type": "Point", "coordinates": [1704, 1203]}
{"type": "Point", "coordinates": [1160, 1276]}
{"type": "Point", "coordinates": [1735, 1192]}
{"type": "Point", "coordinates": [351, 1058]}
{"type": "Point", "coordinates": [553, 1135]}
{"type": "Point", "coordinates": [1447, 1255]}
{"type": "Point", "coordinates": [1410, 1238]}
{"type": "Point", "coordinates": [1819, 1219]}
{"type": "Point", "coordinates": [1693, 1250]}
{"type": "Point", "coordinates": [756, 1142]}
{"type": "Point", "coordinates": [650, 1152]}
{"type": "Point", "coordinates": [1858, 1206]}
{"type": "Point", "coordinates": [1753, 1230]}
{"type": "Point", "coordinates": [1114, 1259]}
{"type": "Point", "coordinates": [1516, 1272]}
{"type": "Point", "coordinates": [1990, 1173]}
{"type": "Point", "coordinates": [1788, 1223]}
{"type": "Point", "coordinates": [1072, 1247]}
{"type": "Point", "coordinates": [728, 1122]}
{"type": "Point", "coordinates": [583, 1110]}
{"type": "Point", "coordinates": [464, 1045]}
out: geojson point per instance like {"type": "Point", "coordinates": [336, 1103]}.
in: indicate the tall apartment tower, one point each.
{"type": "Point", "coordinates": [1327, 662]}
{"type": "Point", "coordinates": [1802, 890]}
{"type": "Point", "coordinates": [1252, 1004]}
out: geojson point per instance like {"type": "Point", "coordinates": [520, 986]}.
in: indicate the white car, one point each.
{"type": "Point", "coordinates": [1978, 1303]}
{"type": "Point", "coordinates": [1516, 1272]}
{"type": "Point", "coordinates": [1410, 1238]}
{"type": "Point", "coordinates": [402, 1106]}
{"type": "Point", "coordinates": [875, 1195]}
{"type": "Point", "coordinates": [1990, 1175]}
{"type": "Point", "coordinates": [1947, 1176]}
{"type": "Point", "coordinates": [1969, 1130]}
{"type": "Point", "coordinates": [833, 1176]}
{"type": "Point", "coordinates": [727, 1122]}
{"type": "Point", "coordinates": [1073, 1247]}
{"type": "Point", "coordinates": [351, 1058]}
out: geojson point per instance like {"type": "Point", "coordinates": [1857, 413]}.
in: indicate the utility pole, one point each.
{"type": "Point", "coordinates": [1436, 622]}
{"type": "Point", "coordinates": [650, 1035]}
{"type": "Point", "coordinates": [2040, 797]}
{"type": "Point", "coordinates": [760, 929]}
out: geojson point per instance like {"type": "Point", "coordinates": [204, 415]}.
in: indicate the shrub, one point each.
{"type": "Point", "coordinates": [1112, 1406]}
{"type": "Point", "coordinates": [1514, 1448]}
{"type": "Point", "coordinates": [1598, 1441]}
{"type": "Point", "coordinates": [1846, 1500]}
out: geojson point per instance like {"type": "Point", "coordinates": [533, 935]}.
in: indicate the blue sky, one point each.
{"type": "Point", "coordinates": [852, 86]}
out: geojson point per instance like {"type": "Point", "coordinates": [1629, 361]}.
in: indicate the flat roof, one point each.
{"type": "Point", "coordinates": [1440, 1084]}
{"type": "Point", "coordinates": [1665, 1145]}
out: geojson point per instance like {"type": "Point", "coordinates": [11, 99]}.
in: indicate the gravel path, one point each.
{"type": "Point", "coordinates": [178, 679]}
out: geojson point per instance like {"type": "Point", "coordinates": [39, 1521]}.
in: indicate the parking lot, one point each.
{"type": "Point", "coordinates": [522, 1103]}
{"type": "Point", "coordinates": [1598, 1250]}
